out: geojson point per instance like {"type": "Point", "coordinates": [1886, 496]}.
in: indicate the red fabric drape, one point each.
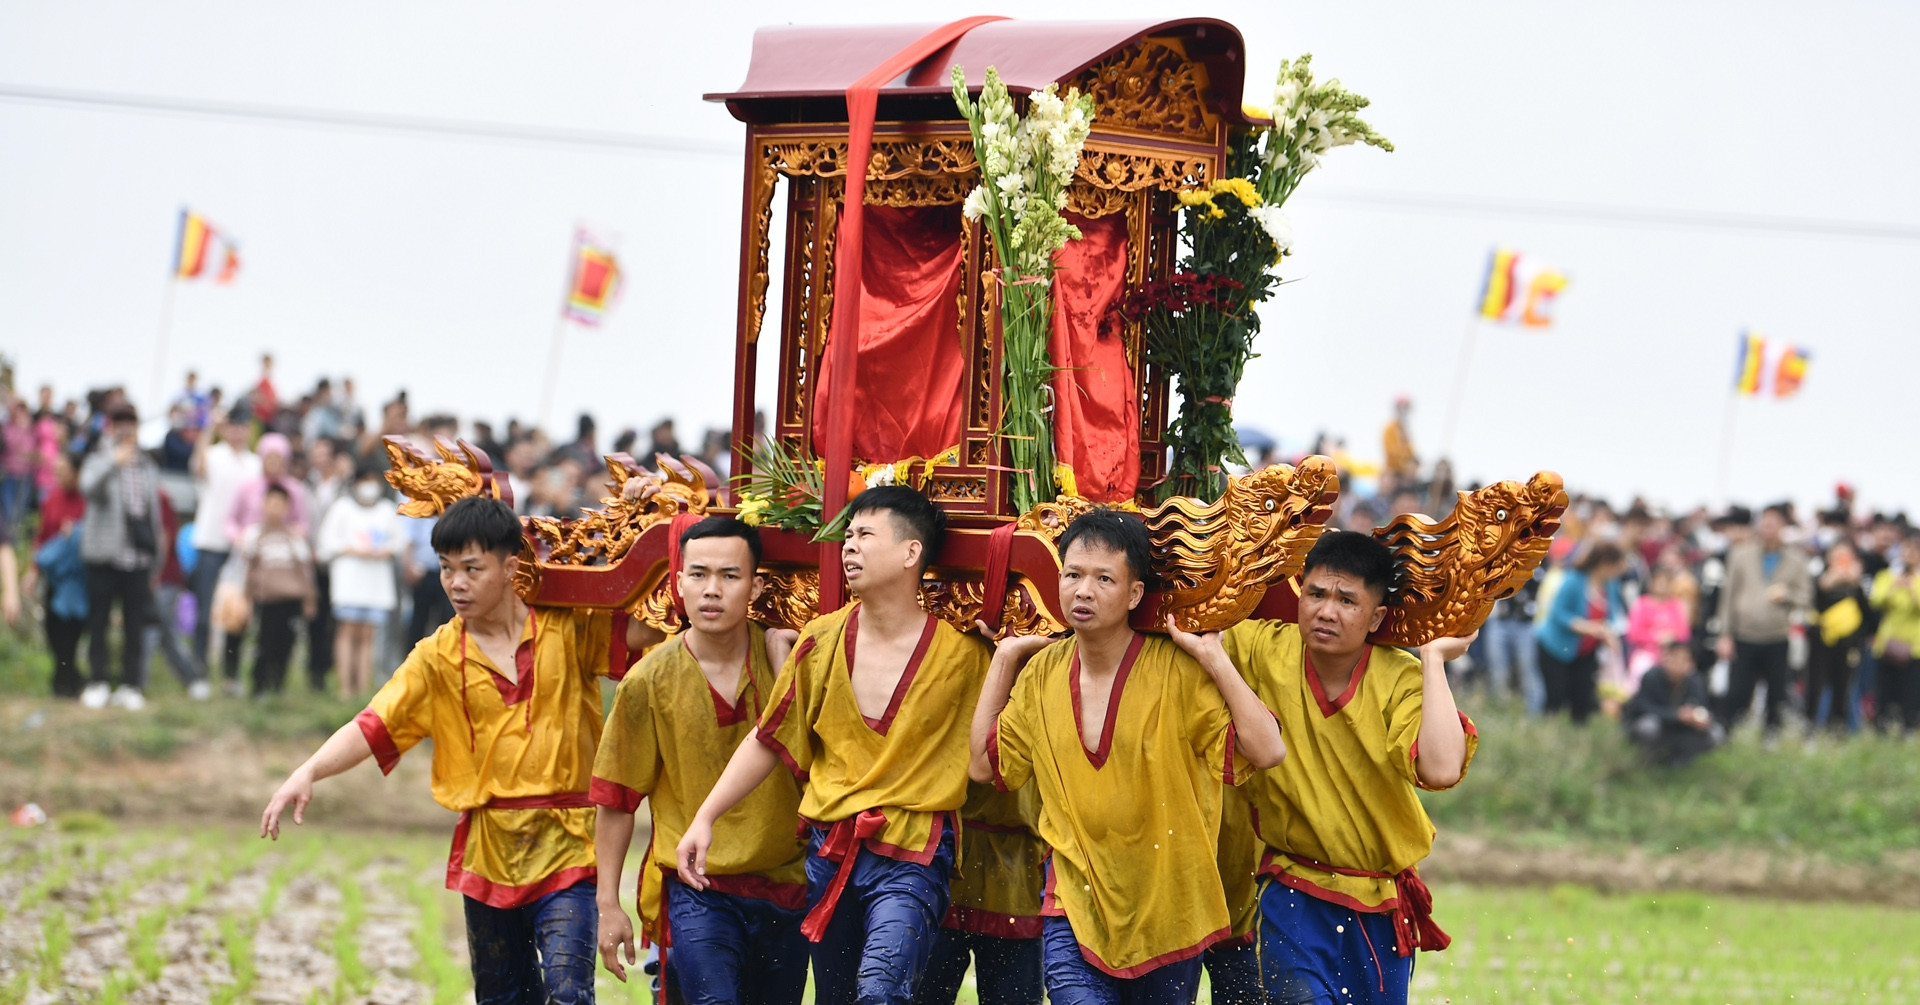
{"type": "Point", "coordinates": [863, 99]}
{"type": "Point", "coordinates": [1096, 419]}
{"type": "Point", "coordinates": [909, 390]}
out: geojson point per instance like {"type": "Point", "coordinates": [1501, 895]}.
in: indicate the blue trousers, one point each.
{"type": "Point", "coordinates": [1071, 980]}
{"type": "Point", "coordinates": [1233, 972]}
{"type": "Point", "coordinates": [732, 950]}
{"type": "Point", "coordinates": [1316, 953]}
{"type": "Point", "coordinates": [1005, 971]}
{"type": "Point", "coordinates": [881, 936]}
{"type": "Point", "coordinates": [536, 953]}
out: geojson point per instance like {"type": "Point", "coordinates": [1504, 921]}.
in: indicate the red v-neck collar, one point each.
{"type": "Point", "coordinates": [512, 692]}
{"type": "Point", "coordinates": [1098, 758]}
{"type": "Point", "coordinates": [1329, 709]}
{"type": "Point", "coordinates": [727, 713]}
{"type": "Point", "coordinates": [885, 722]}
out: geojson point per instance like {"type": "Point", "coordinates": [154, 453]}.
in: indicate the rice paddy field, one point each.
{"type": "Point", "coordinates": [93, 910]}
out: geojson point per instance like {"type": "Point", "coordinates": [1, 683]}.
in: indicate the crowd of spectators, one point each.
{"type": "Point", "coordinates": [255, 523]}
{"type": "Point", "coordinates": [266, 518]}
{"type": "Point", "coordinates": [1678, 624]}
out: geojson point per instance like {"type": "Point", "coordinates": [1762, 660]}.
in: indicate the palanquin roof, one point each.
{"type": "Point", "coordinates": [802, 72]}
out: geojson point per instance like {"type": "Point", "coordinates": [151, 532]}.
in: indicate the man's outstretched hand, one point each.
{"type": "Point", "coordinates": [296, 791]}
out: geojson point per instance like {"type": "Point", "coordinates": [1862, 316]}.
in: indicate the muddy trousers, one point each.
{"type": "Point", "coordinates": [876, 947]}
{"type": "Point", "coordinates": [1313, 952]}
{"type": "Point", "coordinates": [536, 953]}
{"type": "Point", "coordinates": [1233, 971]}
{"type": "Point", "coordinates": [730, 949]}
{"type": "Point", "coordinates": [1005, 971]}
{"type": "Point", "coordinates": [1071, 980]}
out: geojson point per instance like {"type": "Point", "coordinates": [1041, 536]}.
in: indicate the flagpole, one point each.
{"type": "Point", "coordinates": [553, 371]}
{"type": "Point", "coordinates": [160, 346]}
{"type": "Point", "coordinates": [1724, 481]}
{"type": "Point", "coordinates": [1459, 387]}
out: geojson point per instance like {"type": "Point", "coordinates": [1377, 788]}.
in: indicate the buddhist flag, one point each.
{"type": "Point", "coordinates": [1768, 368]}
{"type": "Point", "coordinates": [595, 283]}
{"type": "Point", "coordinates": [198, 244]}
{"type": "Point", "coordinates": [1519, 290]}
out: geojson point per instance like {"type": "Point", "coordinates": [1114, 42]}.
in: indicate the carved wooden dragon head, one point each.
{"type": "Point", "coordinates": [432, 484]}
{"type": "Point", "coordinates": [1218, 559]}
{"type": "Point", "coordinates": [1448, 574]}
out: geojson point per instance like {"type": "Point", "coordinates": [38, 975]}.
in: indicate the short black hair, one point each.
{"type": "Point", "coordinates": [913, 514]}
{"type": "Point", "coordinates": [277, 489]}
{"type": "Point", "coordinates": [1114, 530]}
{"type": "Point", "coordinates": [480, 520]}
{"type": "Point", "coordinates": [1354, 554]}
{"type": "Point", "coordinates": [724, 526]}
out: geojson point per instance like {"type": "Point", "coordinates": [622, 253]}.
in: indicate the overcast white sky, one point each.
{"type": "Point", "coordinates": [435, 262]}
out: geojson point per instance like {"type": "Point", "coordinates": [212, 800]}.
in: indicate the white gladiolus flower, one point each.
{"type": "Point", "coordinates": [976, 205]}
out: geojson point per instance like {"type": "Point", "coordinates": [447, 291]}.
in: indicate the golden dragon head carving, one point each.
{"type": "Point", "coordinates": [603, 536]}
{"type": "Point", "coordinates": [432, 484]}
{"type": "Point", "coordinates": [1448, 574]}
{"type": "Point", "coordinates": [1216, 560]}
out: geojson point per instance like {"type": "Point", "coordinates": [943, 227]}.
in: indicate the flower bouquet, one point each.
{"type": "Point", "coordinates": [1026, 165]}
{"type": "Point", "coordinates": [784, 489]}
{"type": "Point", "coordinates": [1200, 323]}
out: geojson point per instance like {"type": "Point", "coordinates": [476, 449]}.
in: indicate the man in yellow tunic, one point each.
{"type": "Point", "coordinates": [1343, 908]}
{"type": "Point", "coordinates": [510, 695]}
{"type": "Point", "coordinates": [871, 713]}
{"type": "Point", "coordinates": [1129, 740]}
{"type": "Point", "coordinates": [993, 917]}
{"type": "Point", "coordinates": [677, 717]}
{"type": "Point", "coordinates": [1233, 965]}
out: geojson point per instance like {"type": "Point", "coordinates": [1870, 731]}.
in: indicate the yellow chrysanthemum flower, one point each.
{"type": "Point", "coordinates": [1241, 188]}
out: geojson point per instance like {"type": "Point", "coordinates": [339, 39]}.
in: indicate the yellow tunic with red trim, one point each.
{"type": "Point", "coordinates": [1345, 796]}
{"type": "Point", "coordinates": [668, 738]}
{"type": "Point", "coordinates": [1134, 825]}
{"type": "Point", "coordinates": [1238, 857]}
{"type": "Point", "coordinates": [514, 759]}
{"type": "Point", "coordinates": [1002, 864]}
{"type": "Point", "coordinates": [910, 764]}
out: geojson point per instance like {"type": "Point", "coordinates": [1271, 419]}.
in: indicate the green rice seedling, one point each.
{"type": "Point", "coordinates": [436, 967]}
{"type": "Point", "coordinates": [236, 938]}
{"type": "Point", "coordinates": [118, 984]}
{"type": "Point", "coordinates": [55, 938]}
{"type": "Point", "coordinates": [354, 977]}
{"type": "Point", "coordinates": [143, 943]}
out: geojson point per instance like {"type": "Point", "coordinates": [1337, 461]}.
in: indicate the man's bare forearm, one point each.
{"type": "Point", "coordinates": [612, 836]}
{"type": "Point", "coordinates": [750, 765]}
{"type": "Point", "coordinates": [1443, 739]}
{"type": "Point", "coordinates": [344, 749]}
{"type": "Point", "coordinates": [1001, 674]}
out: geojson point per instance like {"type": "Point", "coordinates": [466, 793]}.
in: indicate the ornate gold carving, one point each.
{"type": "Point", "coordinates": [889, 160]}
{"type": "Point", "coordinates": [1050, 519]}
{"type": "Point", "coordinates": [763, 183]}
{"type": "Point", "coordinates": [1092, 202]}
{"type": "Point", "coordinates": [957, 488]}
{"type": "Point", "coordinates": [1150, 87]}
{"type": "Point", "coordinates": [432, 485]}
{"type": "Point", "coordinates": [603, 536]}
{"type": "Point", "coordinates": [1447, 574]}
{"type": "Point", "coordinates": [1217, 560]}
{"type": "Point", "coordinates": [1130, 172]}
{"type": "Point", "coordinates": [920, 190]}
{"type": "Point", "coordinates": [958, 602]}
{"type": "Point", "coordinates": [791, 599]}
{"type": "Point", "coordinates": [656, 609]}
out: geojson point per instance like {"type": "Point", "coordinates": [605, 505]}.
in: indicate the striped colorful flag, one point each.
{"type": "Point", "coordinates": [595, 283]}
{"type": "Point", "coordinates": [1769, 368]}
{"type": "Point", "coordinates": [197, 243]}
{"type": "Point", "coordinates": [1518, 290]}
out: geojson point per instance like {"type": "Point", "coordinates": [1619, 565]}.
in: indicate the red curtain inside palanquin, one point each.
{"type": "Point", "coordinates": [1096, 424]}
{"type": "Point", "coordinates": [908, 399]}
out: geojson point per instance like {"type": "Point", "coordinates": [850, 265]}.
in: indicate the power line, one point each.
{"type": "Point", "coordinates": [1632, 216]}
{"type": "Point", "coordinates": [1478, 206]}
{"type": "Point", "coordinates": [405, 124]}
